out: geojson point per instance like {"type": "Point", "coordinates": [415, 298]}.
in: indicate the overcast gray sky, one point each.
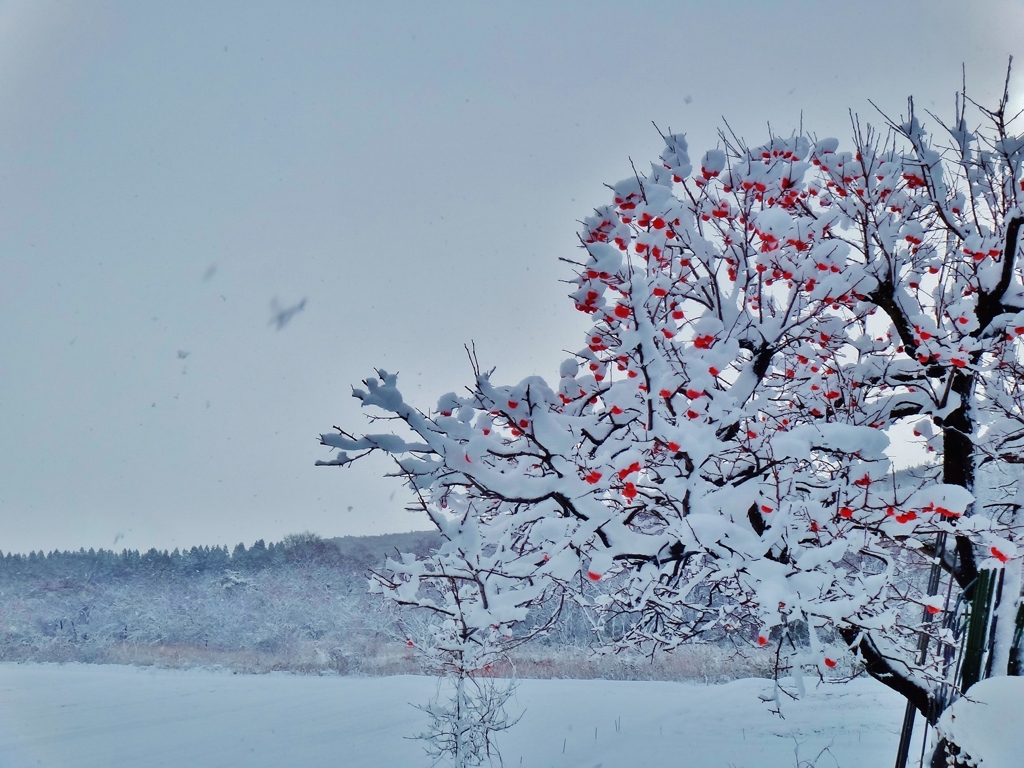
{"type": "Point", "coordinates": [171, 174]}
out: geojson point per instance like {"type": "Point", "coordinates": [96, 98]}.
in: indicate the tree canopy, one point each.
{"type": "Point", "coordinates": [717, 453]}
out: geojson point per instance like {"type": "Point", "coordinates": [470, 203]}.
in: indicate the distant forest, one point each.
{"type": "Point", "coordinates": [348, 553]}
{"type": "Point", "coordinates": [128, 562]}
{"type": "Point", "coordinates": [299, 605]}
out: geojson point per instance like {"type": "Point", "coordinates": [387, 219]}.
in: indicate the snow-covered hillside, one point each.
{"type": "Point", "coordinates": [79, 716]}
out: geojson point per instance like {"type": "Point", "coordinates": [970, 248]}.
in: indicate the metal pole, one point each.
{"type": "Point", "coordinates": [907, 731]}
{"type": "Point", "coordinates": [903, 752]}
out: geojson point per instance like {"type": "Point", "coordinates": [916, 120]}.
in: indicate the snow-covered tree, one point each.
{"type": "Point", "coordinates": [719, 448]}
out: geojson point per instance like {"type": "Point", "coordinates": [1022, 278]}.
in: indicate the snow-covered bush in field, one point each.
{"type": "Point", "coordinates": [479, 605]}
{"type": "Point", "coordinates": [465, 720]}
{"type": "Point", "coordinates": [717, 448]}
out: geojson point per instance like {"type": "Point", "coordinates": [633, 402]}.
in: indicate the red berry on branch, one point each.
{"type": "Point", "coordinates": [998, 555]}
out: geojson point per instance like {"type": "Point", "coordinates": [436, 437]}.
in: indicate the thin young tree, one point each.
{"type": "Point", "coordinates": [472, 600]}
{"type": "Point", "coordinates": [719, 443]}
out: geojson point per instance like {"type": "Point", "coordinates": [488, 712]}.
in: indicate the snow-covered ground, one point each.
{"type": "Point", "coordinates": [73, 716]}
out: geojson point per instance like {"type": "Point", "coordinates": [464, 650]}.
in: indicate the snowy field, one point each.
{"type": "Point", "coordinates": [73, 716]}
